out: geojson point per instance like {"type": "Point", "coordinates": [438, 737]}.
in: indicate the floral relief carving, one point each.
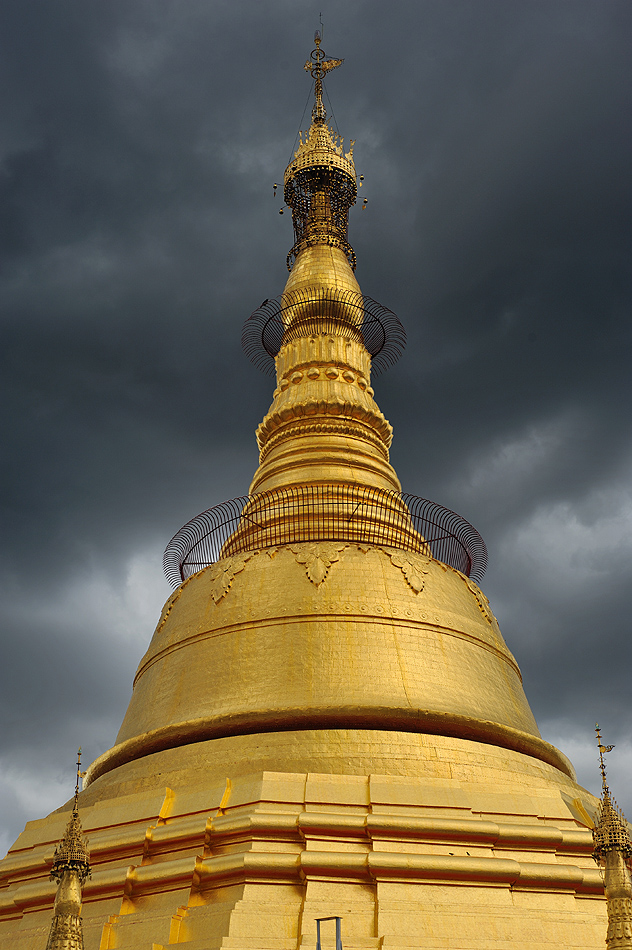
{"type": "Point", "coordinates": [481, 599]}
{"type": "Point", "coordinates": [223, 573]}
{"type": "Point", "coordinates": [171, 603]}
{"type": "Point", "coordinates": [619, 925]}
{"type": "Point", "coordinates": [317, 556]}
{"type": "Point", "coordinates": [413, 566]}
{"type": "Point", "coordinates": [621, 905]}
{"type": "Point", "coordinates": [269, 442]}
{"type": "Point", "coordinates": [66, 931]}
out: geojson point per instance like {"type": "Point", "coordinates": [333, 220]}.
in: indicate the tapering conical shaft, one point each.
{"type": "Point", "coordinates": [324, 427]}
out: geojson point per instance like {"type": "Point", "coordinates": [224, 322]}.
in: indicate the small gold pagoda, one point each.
{"type": "Point", "coordinates": [70, 869]}
{"type": "Point", "coordinates": [327, 722]}
{"type": "Point", "coordinates": [613, 850]}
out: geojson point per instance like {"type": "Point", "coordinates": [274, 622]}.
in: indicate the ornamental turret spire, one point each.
{"type": "Point", "coordinates": [70, 868]}
{"type": "Point", "coordinates": [320, 181]}
{"type": "Point", "coordinates": [324, 426]}
{"type": "Point", "coordinates": [613, 850]}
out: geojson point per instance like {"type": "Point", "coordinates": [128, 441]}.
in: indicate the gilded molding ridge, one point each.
{"type": "Point", "coordinates": [367, 829]}
{"type": "Point", "coordinates": [323, 349]}
{"type": "Point", "coordinates": [265, 620]}
{"type": "Point", "coordinates": [323, 428]}
{"type": "Point", "coordinates": [373, 418]}
{"type": "Point", "coordinates": [141, 880]}
{"type": "Point", "coordinates": [324, 373]}
{"type": "Point", "coordinates": [298, 719]}
{"type": "Point", "coordinates": [375, 826]}
{"type": "Point", "coordinates": [388, 865]}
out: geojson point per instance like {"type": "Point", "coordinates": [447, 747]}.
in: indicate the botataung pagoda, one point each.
{"type": "Point", "coordinates": [328, 743]}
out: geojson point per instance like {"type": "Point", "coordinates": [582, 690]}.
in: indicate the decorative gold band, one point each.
{"type": "Point", "coordinates": [427, 721]}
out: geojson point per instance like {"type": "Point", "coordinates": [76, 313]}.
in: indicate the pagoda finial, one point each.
{"type": "Point", "coordinates": [318, 66]}
{"type": "Point", "coordinates": [72, 852]}
{"type": "Point", "coordinates": [76, 805]}
{"type": "Point", "coordinates": [602, 765]}
{"type": "Point", "coordinates": [320, 181]}
{"type": "Point", "coordinates": [70, 868]}
{"type": "Point", "coordinates": [610, 833]}
{"type": "Point", "coordinates": [613, 850]}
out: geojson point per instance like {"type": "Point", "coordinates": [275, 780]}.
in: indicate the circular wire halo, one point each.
{"type": "Point", "coordinates": [344, 313]}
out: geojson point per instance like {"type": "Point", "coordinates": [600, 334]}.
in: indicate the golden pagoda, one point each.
{"type": "Point", "coordinates": [71, 869]}
{"type": "Point", "coordinates": [613, 851]}
{"type": "Point", "coordinates": [328, 738]}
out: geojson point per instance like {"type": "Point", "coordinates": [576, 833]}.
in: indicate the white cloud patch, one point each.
{"type": "Point", "coordinates": [556, 544]}
{"type": "Point", "coordinates": [507, 469]}
{"type": "Point", "coordinates": [564, 547]}
{"type": "Point", "coordinates": [28, 792]}
{"type": "Point", "coordinates": [102, 627]}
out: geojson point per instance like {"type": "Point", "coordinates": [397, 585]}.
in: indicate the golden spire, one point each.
{"type": "Point", "coordinates": [613, 850]}
{"type": "Point", "coordinates": [324, 433]}
{"type": "Point", "coordinates": [318, 66]}
{"type": "Point", "coordinates": [70, 868]}
{"type": "Point", "coordinates": [610, 833]}
{"type": "Point", "coordinates": [324, 426]}
{"type": "Point", "coordinates": [320, 181]}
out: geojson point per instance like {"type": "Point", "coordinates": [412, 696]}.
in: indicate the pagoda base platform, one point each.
{"type": "Point", "coordinates": [461, 846]}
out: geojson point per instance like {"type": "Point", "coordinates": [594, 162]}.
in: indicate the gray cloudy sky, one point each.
{"type": "Point", "coordinates": [139, 140]}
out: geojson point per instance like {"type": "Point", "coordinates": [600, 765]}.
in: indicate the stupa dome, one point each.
{"type": "Point", "coordinates": [326, 635]}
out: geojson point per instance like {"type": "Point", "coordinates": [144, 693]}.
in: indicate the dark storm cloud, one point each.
{"type": "Point", "coordinates": [138, 145]}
